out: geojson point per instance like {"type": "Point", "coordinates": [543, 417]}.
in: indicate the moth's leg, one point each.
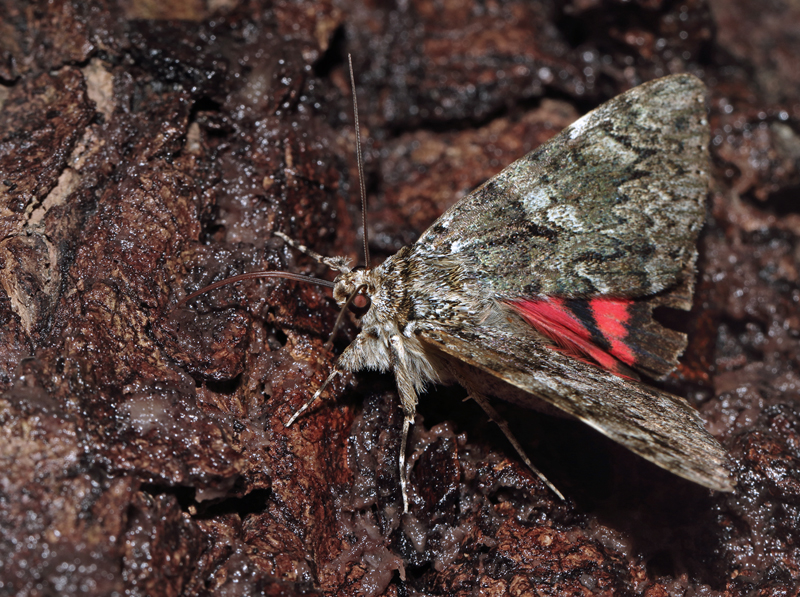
{"type": "Point", "coordinates": [408, 419]}
{"type": "Point", "coordinates": [311, 400]}
{"type": "Point", "coordinates": [408, 399]}
{"type": "Point", "coordinates": [354, 358]}
{"type": "Point", "coordinates": [501, 423]}
{"type": "Point", "coordinates": [338, 263]}
{"type": "Point", "coordinates": [364, 352]}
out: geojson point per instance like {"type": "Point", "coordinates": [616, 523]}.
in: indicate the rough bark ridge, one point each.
{"type": "Point", "coordinates": [147, 150]}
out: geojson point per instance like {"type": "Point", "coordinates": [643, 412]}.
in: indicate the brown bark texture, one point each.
{"type": "Point", "coordinates": [148, 149]}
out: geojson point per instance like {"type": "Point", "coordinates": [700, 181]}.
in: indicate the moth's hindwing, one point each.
{"type": "Point", "coordinates": [661, 427]}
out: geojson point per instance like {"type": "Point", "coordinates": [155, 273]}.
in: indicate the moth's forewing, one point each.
{"type": "Point", "coordinates": [658, 426]}
{"type": "Point", "coordinates": [610, 206]}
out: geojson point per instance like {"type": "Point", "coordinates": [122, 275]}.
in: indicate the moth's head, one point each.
{"type": "Point", "coordinates": [355, 287]}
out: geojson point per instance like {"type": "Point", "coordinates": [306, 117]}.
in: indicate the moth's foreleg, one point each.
{"type": "Point", "coordinates": [355, 357]}
{"type": "Point", "coordinates": [340, 264]}
{"type": "Point", "coordinates": [311, 400]}
{"type": "Point", "coordinates": [501, 423]}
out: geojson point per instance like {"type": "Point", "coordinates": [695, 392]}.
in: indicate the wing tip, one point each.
{"type": "Point", "coordinates": [720, 479]}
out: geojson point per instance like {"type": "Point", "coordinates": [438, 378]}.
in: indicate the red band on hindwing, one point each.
{"type": "Point", "coordinates": [591, 331]}
{"type": "Point", "coordinates": [611, 317]}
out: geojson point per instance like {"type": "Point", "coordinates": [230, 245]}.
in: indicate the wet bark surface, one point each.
{"type": "Point", "coordinates": [146, 151]}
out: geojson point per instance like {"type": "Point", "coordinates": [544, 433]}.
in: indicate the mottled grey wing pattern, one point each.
{"type": "Point", "coordinates": [658, 426]}
{"type": "Point", "coordinates": [610, 206]}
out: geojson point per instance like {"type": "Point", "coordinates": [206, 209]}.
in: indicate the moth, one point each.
{"type": "Point", "coordinates": [539, 286]}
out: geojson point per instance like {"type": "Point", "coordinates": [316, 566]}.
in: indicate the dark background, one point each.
{"type": "Point", "coordinates": [147, 149]}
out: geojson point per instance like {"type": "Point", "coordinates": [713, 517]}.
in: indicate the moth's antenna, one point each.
{"type": "Point", "coordinates": [251, 276]}
{"type": "Point", "coordinates": [360, 161]}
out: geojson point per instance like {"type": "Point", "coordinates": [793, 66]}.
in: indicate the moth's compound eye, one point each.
{"type": "Point", "coordinates": [360, 305]}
